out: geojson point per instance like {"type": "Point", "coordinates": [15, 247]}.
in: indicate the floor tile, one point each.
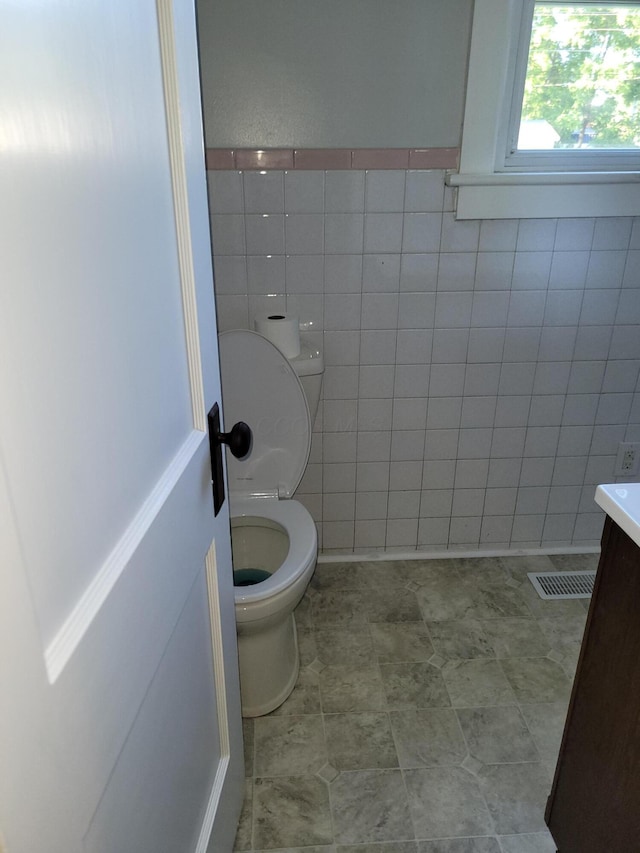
{"type": "Point", "coordinates": [546, 724]}
{"type": "Point", "coordinates": [374, 574]}
{"type": "Point", "coordinates": [460, 640]}
{"type": "Point", "coordinates": [541, 607]}
{"type": "Point", "coordinates": [337, 608]}
{"type": "Point", "coordinates": [351, 688]}
{"type": "Point", "coordinates": [413, 685]}
{"type": "Point", "coordinates": [446, 802]}
{"type": "Point", "coordinates": [345, 646]}
{"type": "Point", "coordinates": [564, 633]}
{"type": "Point", "coordinates": [536, 679]}
{"type": "Point", "coordinates": [243, 835]}
{"type": "Point", "coordinates": [540, 842]}
{"type": "Point", "coordinates": [305, 697]}
{"type": "Point", "coordinates": [291, 811]}
{"type": "Point", "coordinates": [369, 806]}
{"type": "Point", "coordinates": [332, 576]}
{"type": "Point", "coordinates": [497, 735]}
{"type": "Point", "coordinates": [403, 641]}
{"type": "Point", "coordinates": [306, 645]}
{"type": "Point", "coordinates": [397, 605]}
{"type": "Point", "coordinates": [247, 736]}
{"type": "Point", "coordinates": [385, 847]}
{"type": "Point", "coordinates": [460, 845]}
{"type": "Point", "coordinates": [476, 683]}
{"type": "Point", "coordinates": [575, 562]}
{"type": "Point", "coordinates": [516, 638]}
{"type": "Point", "coordinates": [445, 599]}
{"type": "Point", "coordinates": [516, 795]}
{"type": "Point", "coordinates": [494, 600]}
{"type": "Point", "coordinates": [427, 737]}
{"type": "Point", "coordinates": [287, 746]}
{"type": "Point", "coordinates": [424, 571]}
{"type": "Point", "coordinates": [361, 741]}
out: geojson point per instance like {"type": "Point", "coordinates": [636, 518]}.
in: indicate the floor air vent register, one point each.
{"type": "Point", "coordinates": [554, 585]}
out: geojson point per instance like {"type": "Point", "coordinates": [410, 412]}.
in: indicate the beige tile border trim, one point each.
{"type": "Point", "coordinates": [331, 158]}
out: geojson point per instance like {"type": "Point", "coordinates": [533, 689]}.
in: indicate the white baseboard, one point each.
{"type": "Point", "coordinates": [389, 556]}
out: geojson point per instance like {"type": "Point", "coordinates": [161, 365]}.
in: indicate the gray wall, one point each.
{"type": "Point", "coordinates": [333, 73]}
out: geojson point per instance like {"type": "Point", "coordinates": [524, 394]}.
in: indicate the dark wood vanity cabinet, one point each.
{"type": "Point", "coordinates": [594, 806]}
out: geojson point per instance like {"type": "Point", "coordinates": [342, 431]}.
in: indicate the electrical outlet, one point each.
{"type": "Point", "coordinates": [628, 459]}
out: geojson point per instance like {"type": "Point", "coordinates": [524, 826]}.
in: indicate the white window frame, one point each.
{"type": "Point", "coordinates": [488, 186]}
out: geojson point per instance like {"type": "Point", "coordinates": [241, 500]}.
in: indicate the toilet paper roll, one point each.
{"type": "Point", "coordinates": [283, 330]}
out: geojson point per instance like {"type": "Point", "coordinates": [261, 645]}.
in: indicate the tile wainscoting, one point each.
{"type": "Point", "coordinates": [479, 375]}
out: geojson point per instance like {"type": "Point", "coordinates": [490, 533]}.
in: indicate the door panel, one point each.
{"type": "Point", "coordinates": [121, 723]}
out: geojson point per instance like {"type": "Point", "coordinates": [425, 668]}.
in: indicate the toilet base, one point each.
{"type": "Point", "coordinates": [269, 663]}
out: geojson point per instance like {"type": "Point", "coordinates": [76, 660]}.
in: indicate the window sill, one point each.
{"type": "Point", "coordinates": [509, 195]}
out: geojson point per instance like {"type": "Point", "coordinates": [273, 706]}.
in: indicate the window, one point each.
{"type": "Point", "coordinates": [552, 117]}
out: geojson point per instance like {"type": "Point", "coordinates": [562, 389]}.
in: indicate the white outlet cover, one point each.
{"type": "Point", "coordinates": [624, 448]}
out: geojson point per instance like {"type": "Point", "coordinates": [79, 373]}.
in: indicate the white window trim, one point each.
{"type": "Point", "coordinates": [483, 191]}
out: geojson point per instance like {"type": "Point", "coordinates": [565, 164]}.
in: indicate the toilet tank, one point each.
{"type": "Point", "coordinates": [309, 366]}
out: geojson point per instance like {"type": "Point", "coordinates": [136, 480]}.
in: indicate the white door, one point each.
{"type": "Point", "coordinates": [120, 726]}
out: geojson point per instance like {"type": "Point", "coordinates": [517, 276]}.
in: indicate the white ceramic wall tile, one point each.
{"type": "Point", "coordinates": [227, 233]}
{"type": "Point", "coordinates": [263, 192]}
{"type": "Point", "coordinates": [304, 233]}
{"type": "Point", "coordinates": [494, 270]}
{"type": "Point", "coordinates": [471, 473]}
{"type": "Point", "coordinates": [409, 413]}
{"type": "Point", "coordinates": [490, 308]}
{"type": "Point", "coordinates": [375, 414]}
{"type": "Point", "coordinates": [498, 235]}
{"type": "Point", "coordinates": [407, 444]}
{"type": "Point", "coordinates": [531, 270]}
{"type": "Point", "coordinates": [453, 310]}
{"type": "Point", "coordinates": [574, 234]}
{"type": "Point", "coordinates": [456, 271]}
{"type": "Point", "coordinates": [374, 446]}
{"type": "Point", "coordinates": [225, 192]}
{"type": "Point", "coordinates": [606, 269]}
{"type": "Point", "coordinates": [381, 273]}
{"type": "Point", "coordinates": [501, 357]}
{"type": "Point", "coordinates": [342, 273]}
{"type": "Point", "coordinates": [339, 507]}
{"type": "Point", "coordinates": [305, 273]}
{"type": "Point", "coordinates": [378, 346]}
{"type": "Point", "coordinates": [344, 192]}
{"type": "Point", "coordinates": [450, 346]}
{"type": "Point", "coordinates": [459, 235]}
{"type": "Point", "coordinates": [376, 381]}
{"type": "Point", "coordinates": [384, 191]}
{"type": "Point", "coordinates": [382, 232]}
{"type": "Point", "coordinates": [379, 311]}
{"type": "Point", "coordinates": [612, 233]}
{"type": "Point", "coordinates": [599, 307]}
{"type": "Point", "coordinates": [304, 192]}
{"type": "Point", "coordinates": [414, 346]}
{"type": "Point", "coordinates": [419, 272]}
{"type": "Point", "coordinates": [230, 274]}
{"type": "Point", "coordinates": [424, 191]}
{"type": "Point", "coordinates": [342, 311]}
{"type": "Point", "coordinates": [265, 234]}
{"type": "Point", "coordinates": [421, 232]}
{"type": "Point", "coordinates": [568, 270]}
{"type": "Point", "coordinates": [536, 235]}
{"type": "Point", "coordinates": [343, 233]}
{"type": "Point", "coordinates": [416, 310]}
{"type": "Point", "coordinates": [265, 274]}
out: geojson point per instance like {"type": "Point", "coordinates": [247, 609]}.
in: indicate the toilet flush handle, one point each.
{"type": "Point", "coordinates": [239, 440]}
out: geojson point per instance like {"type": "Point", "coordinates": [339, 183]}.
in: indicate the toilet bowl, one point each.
{"type": "Point", "coordinates": [274, 540]}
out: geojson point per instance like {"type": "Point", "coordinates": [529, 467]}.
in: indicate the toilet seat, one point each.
{"type": "Point", "coordinates": [303, 544]}
{"type": "Point", "coordinates": [261, 388]}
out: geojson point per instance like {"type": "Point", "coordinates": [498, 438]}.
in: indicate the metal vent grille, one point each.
{"type": "Point", "coordinates": [563, 584]}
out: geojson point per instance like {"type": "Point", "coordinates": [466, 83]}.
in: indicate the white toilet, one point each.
{"type": "Point", "coordinates": [274, 539]}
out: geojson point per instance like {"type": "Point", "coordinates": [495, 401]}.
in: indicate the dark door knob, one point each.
{"type": "Point", "coordinates": [238, 440]}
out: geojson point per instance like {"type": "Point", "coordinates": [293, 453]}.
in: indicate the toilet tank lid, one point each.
{"type": "Point", "coordinates": [260, 387]}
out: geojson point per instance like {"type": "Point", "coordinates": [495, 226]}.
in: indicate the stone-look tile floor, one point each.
{"type": "Point", "coordinates": [427, 715]}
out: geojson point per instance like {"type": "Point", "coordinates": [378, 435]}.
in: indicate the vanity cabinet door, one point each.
{"type": "Point", "coordinates": [595, 800]}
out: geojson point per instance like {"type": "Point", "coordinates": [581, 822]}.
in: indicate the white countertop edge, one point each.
{"type": "Point", "coordinates": [621, 502]}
